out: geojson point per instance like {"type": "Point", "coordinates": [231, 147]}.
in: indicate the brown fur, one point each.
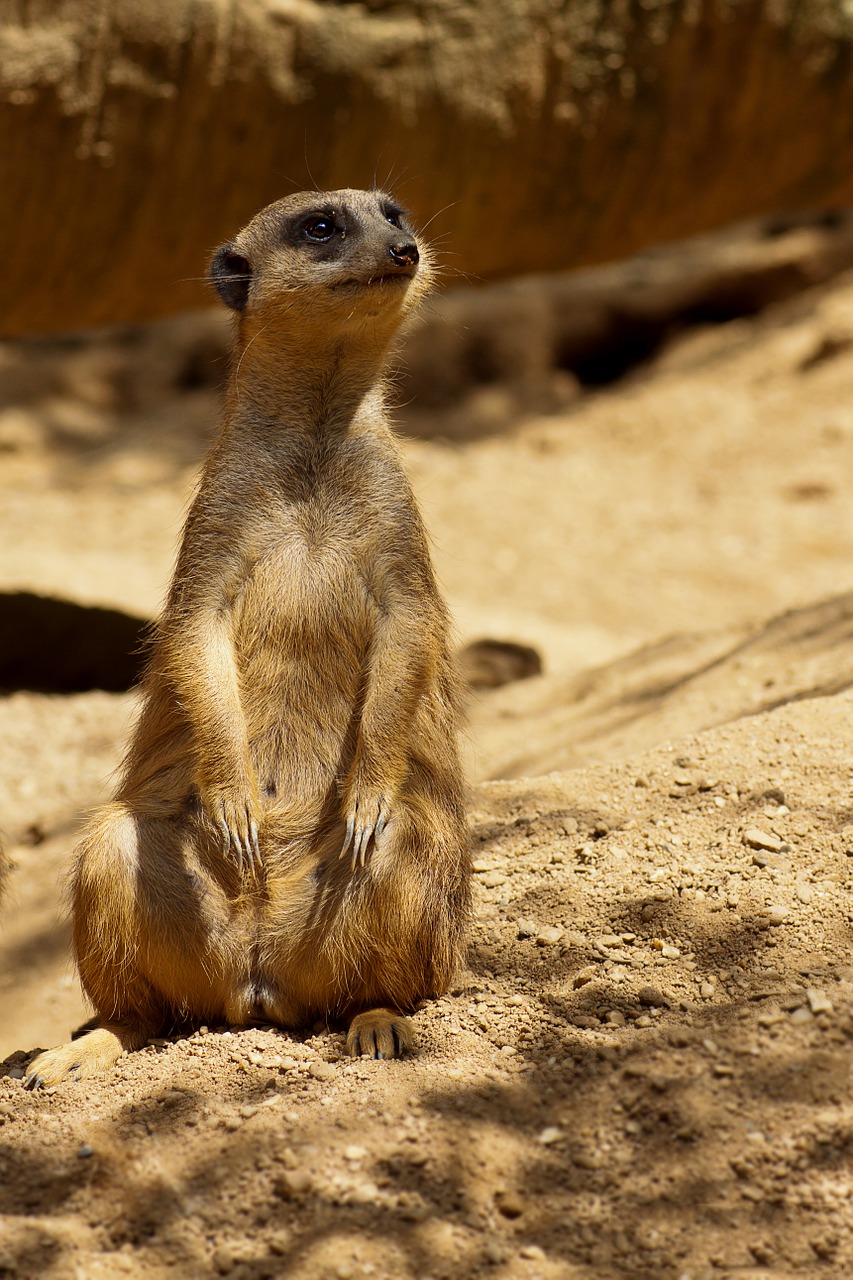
{"type": "Point", "coordinates": [288, 839]}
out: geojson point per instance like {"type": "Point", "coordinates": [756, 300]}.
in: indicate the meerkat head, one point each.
{"type": "Point", "coordinates": [345, 257]}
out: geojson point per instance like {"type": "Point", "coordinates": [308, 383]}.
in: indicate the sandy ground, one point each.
{"type": "Point", "coordinates": [644, 1069]}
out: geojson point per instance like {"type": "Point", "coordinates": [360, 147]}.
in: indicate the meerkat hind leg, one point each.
{"type": "Point", "coordinates": [380, 1033]}
{"type": "Point", "coordinates": [91, 1055]}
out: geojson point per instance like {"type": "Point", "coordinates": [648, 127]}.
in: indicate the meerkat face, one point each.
{"type": "Point", "coordinates": [349, 252]}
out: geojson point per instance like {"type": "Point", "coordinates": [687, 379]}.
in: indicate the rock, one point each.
{"type": "Point", "coordinates": [548, 935]}
{"type": "Point", "coordinates": [492, 879]}
{"type": "Point", "coordinates": [365, 1193]}
{"type": "Point", "coordinates": [804, 893]}
{"type": "Point", "coordinates": [585, 975]}
{"type": "Point", "coordinates": [669, 952]}
{"type": "Point", "coordinates": [550, 1135]}
{"type": "Point", "coordinates": [755, 838]}
{"type": "Point", "coordinates": [771, 860]}
{"type": "Point", "coordinates": [526, 928]}
{"type": "Point", "coordinates": [510, 1205]}
{"type": "Point", "coordinates": [819, 1001]}
{"type": "Point", "coordinates": [485, 864]}
{"type": "Point", "coordinates": [800, 1017]}
{"type": "Point", "coordinates": [652, 998]}
{"type": "Point", "coordinates": [292, 1183]}
{"type": "Point", "coordinates": [616, 1018]}
{"type": "Point", "coordinates": [776, 914]}
{"type": "Point", "coordinates": [224, 1261]}
{"type": "Point", "coordinates": [322, 1071]}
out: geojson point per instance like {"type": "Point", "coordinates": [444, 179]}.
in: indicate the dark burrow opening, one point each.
{"type": "Point", "coordinates": [49, 645]}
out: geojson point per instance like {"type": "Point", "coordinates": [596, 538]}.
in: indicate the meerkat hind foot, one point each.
{"type": "Point", "coordinates": [91, 1055]}
{"type": "Point", "coordinates": [380, 1033]}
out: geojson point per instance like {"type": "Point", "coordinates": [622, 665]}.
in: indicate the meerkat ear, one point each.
{"type": "Point", "coordinates": [231, 275]}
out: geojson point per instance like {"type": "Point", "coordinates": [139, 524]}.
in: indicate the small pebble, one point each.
{"type": "Point", "coordinates": [492, 879]}
{"type": "Point", "coordinates": [322, 1071]}
{"type": "Point", "coordinates": [510, 1205]}
{"type": "Point", "coordinates": [707, 990]}
{"type": "Point", "coordinates": [819, 1001]}
{"type": "Point", "coordinates": [548, 935]}
{"type": "Point", "coordinates": [616, 1018]}
{"type": "Point", "coordinates": [804, 893]}
{"type": "Point", "coordinates": [550, 1135]}
{"type": "Point", "coordinates": [801, 1016]}
{"type": "Point", "coordinates": [585, 975]}
{"type": "Point", "coordinates": [669, 952]}
{"type": "Point", "coordinates": [776, 914]}
{"type": "Point", "coordinates": [354, 1153]}
{"type": "Point", "coordinates": [532, 1251]}
{"type": "Point", "coordinates": [526, 928]}
{"type": "Point", "coordinates": [484, 864]}
{"type": "Point", "coordinates": [652, 997]}
{"type": "Point", "coordinates": [365, 1193]}
{"type": "Point", "coordinates": [772, 861]}
{"type": "Point", "coordinates": [292, 1182]}
{"type": "Point", "coordinates": [758, 839]}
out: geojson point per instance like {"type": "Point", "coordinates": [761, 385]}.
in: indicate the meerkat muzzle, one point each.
{"type": "Point", "coordinates": [405, 255]}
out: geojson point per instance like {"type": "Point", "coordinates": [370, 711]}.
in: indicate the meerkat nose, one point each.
{"type": "Point", "coordinates": [405, 255]}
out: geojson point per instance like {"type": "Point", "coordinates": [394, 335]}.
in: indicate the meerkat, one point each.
{"type": "Point", "coordinates": [288, 838]}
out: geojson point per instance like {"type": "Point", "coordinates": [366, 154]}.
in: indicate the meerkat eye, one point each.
{"type": "Point", "coordinates": [319, 228]}
{"type": "Point", "coordinates": [394, 216]}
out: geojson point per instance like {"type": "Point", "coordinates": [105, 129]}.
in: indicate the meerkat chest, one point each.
{"type": "Point", "coordinates": [317, 557]}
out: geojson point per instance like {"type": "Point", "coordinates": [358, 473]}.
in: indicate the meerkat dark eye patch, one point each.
{"type": "Point", "coordinates": [395, 215]}
{"type": "Point", "coordinates": [319, 227]}
{"type": "Point", "coordinates": [231, 275]}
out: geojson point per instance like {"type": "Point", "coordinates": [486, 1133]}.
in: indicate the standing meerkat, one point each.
{"type": "Point", "coordinates": [288, 840]}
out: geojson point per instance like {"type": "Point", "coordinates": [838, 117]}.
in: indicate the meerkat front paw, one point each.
{"type": "Point", "coordinates": [235, 811]}
{"type": "Point", "coordinates": [90, 1055]}
{"type": "Point", "coordinates": [380, 1033]}
{"type": "Point", "coordinates": [367, 817]}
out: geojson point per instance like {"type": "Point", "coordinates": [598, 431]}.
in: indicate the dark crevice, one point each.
{"type": "Point", "coordinates": [56, 646]}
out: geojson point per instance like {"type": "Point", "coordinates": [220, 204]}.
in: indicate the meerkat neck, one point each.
{"type": "Point", "coordinates": [326, 388]}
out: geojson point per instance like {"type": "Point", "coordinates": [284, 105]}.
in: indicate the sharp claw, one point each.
{"type": "Point", "coordinates": [253, 831]}
{"type": "Point", "coordinates": [380, 826]}
{"type": "Point", "coordinates": [348, 836]}
{"type": "Point", "coordinates": [33, 1082]}
{"type": "Point", "coordinates": [226, 835]}
{"type": "Point", "coordinates": [235, 840]}
{"type": "Point", "coordinates": [362, 843]}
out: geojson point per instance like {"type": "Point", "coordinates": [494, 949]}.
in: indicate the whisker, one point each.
{"type": "Point", "coordinates": [438, 213]}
